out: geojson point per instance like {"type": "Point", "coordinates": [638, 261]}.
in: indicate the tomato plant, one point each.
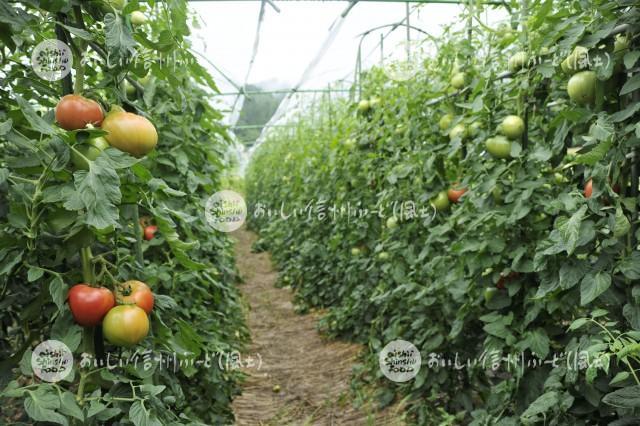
{"type": "Point", "coordinates": [70, 208]}
{"type": "Point", "coordinates": [577, 290]}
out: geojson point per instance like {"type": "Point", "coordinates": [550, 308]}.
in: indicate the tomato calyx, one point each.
{"type": "Point", "coordinates": [135, 292]}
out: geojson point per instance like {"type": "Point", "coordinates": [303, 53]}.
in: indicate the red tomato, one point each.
{"type": "Point", "coordinates": [150, 232]}
{"type": "Point", "coordinates": [588, 188]}
{"type": "Point", "coordinates": [455, 194]}
{"type": "Point", "coordinates": [135, 292]}
{"type": "Point", "coordinates": [504, 279]}
{"type": "Point", "coordinates": [75, 112]}
{"type": "Point", "coordinates": [89, 304]}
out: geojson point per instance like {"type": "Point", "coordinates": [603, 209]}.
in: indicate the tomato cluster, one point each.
{"type": "Point", "coordinates": [125, 131]}
{"type": "Point", "coordinates": [122, 312]}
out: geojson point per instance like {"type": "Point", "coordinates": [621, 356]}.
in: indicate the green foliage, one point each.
{"type": "Point", "coordinates": [554, 256]}
{"type": "Point", "coordinates": [50, 212]}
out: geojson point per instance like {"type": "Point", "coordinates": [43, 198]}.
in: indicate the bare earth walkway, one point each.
{"type": "Point", "coordinates": [313, 374]}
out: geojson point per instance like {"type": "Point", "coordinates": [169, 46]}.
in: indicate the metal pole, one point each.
{"type": "Point", "coordinates": [408, 14]}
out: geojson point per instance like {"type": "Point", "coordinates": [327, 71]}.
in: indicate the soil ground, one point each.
{"type": "Point", "coordinates": [313, 374]}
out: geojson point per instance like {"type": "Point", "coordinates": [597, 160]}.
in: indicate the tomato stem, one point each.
{"type": "Point", "coordinates": [138, 233]}
{"type": "Point", "coordinates": [78, 86]}
{"type": "Point", "coordinates": [87, 268]}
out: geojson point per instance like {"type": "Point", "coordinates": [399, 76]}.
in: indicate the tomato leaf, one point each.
{"type": "Point", "coordinates": [632, 314]}
{"type": "Point", "coordinates": [58, 291]}
{"type": "Point", "coordinates": [78, 32]}
{"type": "Point", "coordinates": [593, 285]}
{"type": "Point", "coordinates": [628, 397]}
{"type": "Point", "coordinates": [99, 191]}
{"type": "Point", "coordinates": [40, 405]}
{"type": "Point", "coordinates": [626, 113]}
{"type": "Point", "coordinates": [631, 85]}
{"type": "Point", "coordinates": [119, 40]}
{"type": "Point", "coordinates": [622, 225]}
{"type": "Point", "coordinates": [540, 406]}
{"type": "Point", "coordinates": [630, 58]}
{"type": "Point", "coordinates": [538, 342]}
{"type": "Point", "coordinates": [578, 323]}
{"type": "Point", "coordinates": [5, 126]}
{"type": "Point", "coordinates": [568, 231]}
{"type": "Point", "coordinates": [630, 266]}
{"type": "Point", "coordinates": [70, 407]}
{"type": "Point", "coordinates": [33, 118]}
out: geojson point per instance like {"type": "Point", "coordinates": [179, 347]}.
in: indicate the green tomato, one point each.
{"type": "Point", "coordinates": [392, 222]}
{"type": "Point", "coordinates": [374, 102]}
{"type": "Point", "coordinates": [498, 147]}
{"type": "Point", "coordinates": [364, 105]}
{"type": "Point", "coordinates": [458, 80]}
{"type": "Point", "coordinates": [445, 121]}
{"type": "Point", "coordinates": [129, 88]}
{"type": "Point", "coordinates": [496, 194]}
{"type": "Point", "coordinates": [512, 126]}
{"type": "Point", "coordinates": [518, 61]}
{"type": "Point", "coordinates": [559, 178]}
{"type": "Point", "coordinates": [576, 60]}
{"type": "Point", "coordinates": [458, 131]}
{"type": "Point", "coordinates": [355, 251]}
{"type": "Point", "coordinates": [474, 128]}
{"type": "Point", "coordinates": [145, 80]}
{"type": "Point", "coordinates": [441, 201]}
{"type": "Point", "coordinates": [489, 293]}
{"type": "Point", "coordinates": [90, 150]}
{"type": "Point", "coordinates": [383, 255]}
{"type": "Point", "coordinates": [138, 18]}
{"type": "Point", "coordinates": [582, 87]}
{"type": "Point", "coordinates": [349, 143]}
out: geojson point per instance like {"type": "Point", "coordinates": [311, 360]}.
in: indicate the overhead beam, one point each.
{"type": "Point", "coordinates": [282, 91]}
{"type": "Point", "coordinates": [487, 2]}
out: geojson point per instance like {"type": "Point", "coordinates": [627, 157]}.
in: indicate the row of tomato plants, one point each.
{"type": "Point", "coordinates": [103, 240]}
{"type": "Point", "coordinates": [522, 262]}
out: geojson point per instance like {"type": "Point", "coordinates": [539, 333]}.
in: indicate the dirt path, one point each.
{"type": "Point", "coordinates": [313, 374]}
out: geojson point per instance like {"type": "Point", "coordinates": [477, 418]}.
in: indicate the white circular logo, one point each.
{"type": "Point", "coordinates": [226, 211]}
{"type": "Point", "coordinates": [52, 60]}
{"type": "Point", "coordinates": [400, 361]}
{"type": "Point", "coordinates": [52, 360]}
